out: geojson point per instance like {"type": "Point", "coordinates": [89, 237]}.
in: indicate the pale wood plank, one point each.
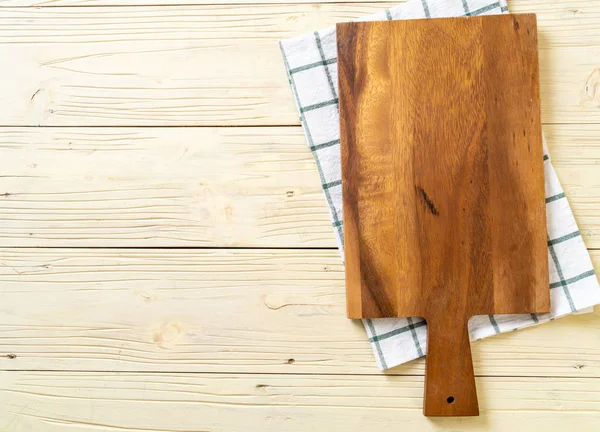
{"type": "Point", "coordinates": [221, 65]}
{"type": "Point", "coordinates": [222, 310]}
{"type": "Point", "coordinates": [190, 402]}
{"type": "Point", "coordinates": [160, 187]}
{"type": "Point", "coordinates": [202, 186]}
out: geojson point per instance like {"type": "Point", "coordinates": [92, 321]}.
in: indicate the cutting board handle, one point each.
{"type": "Point", "coordinates": [449, 378]}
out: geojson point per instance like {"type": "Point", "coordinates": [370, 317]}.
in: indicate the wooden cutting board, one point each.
{"type": "Point", "coordinates": [443, 184]}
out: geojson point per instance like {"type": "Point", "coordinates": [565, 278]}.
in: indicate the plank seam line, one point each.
{"type": "Point", "coordinates": [175, 247]}
{"type": "Point", "coordinates": [290, 125]}
{"type": "Point", "coordinates": [282, 374]}
{"type": "Point", "coordinates": [185, 5]}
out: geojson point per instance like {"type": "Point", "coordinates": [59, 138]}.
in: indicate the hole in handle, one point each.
{"type": "Point", "coordinates": [450, 399]}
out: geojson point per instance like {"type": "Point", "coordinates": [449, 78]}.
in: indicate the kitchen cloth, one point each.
{"type": "Point", "coordinates": [311, 65]}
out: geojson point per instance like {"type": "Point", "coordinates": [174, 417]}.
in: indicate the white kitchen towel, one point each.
{"type": "Point", "coordinates": [310, 62]}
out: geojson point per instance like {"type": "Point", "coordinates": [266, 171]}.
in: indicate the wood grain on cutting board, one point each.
{"type": "Point", "coordinates": [443, 181]}
{"type": "Point", "coordinates": [443, 177]}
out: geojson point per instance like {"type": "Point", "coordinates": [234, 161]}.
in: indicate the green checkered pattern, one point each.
{"type": "Point", "coordinates": [311, 66]}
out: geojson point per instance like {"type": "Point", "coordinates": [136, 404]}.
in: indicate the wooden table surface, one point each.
{"type": "Point", "coordinates": [166, 257]}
